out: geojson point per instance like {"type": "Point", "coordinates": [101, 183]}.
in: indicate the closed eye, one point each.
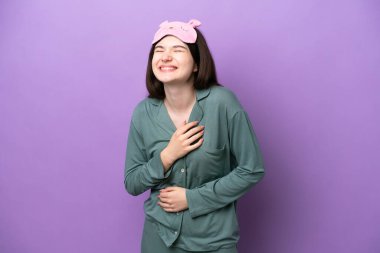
{"type": "Point", "coordinates": [179, 48]}
{"type": "Point", "coordinates": [158, 49]}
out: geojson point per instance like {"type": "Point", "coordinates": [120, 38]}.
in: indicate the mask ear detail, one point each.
{"type": "Point", "coordinates": [163, 24]}
{"type": "Point", "coordinates": [195, 23]}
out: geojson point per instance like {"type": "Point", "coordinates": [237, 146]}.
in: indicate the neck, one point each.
{"type": "Point", "coordinates": [179, 97]}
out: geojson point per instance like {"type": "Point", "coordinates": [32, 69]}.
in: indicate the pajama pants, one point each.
{"type": "Point", "coordinates": [152, 243]}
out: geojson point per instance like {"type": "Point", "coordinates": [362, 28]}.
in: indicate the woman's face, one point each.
{"type": "Point", "coordinates": [172, 61]}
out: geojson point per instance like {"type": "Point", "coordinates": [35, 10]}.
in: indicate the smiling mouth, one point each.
{"type": "Point", "coordinates": [167, 68]}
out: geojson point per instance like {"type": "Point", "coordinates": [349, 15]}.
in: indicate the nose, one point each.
{"type": "Point", "coordinates": [166, 57]}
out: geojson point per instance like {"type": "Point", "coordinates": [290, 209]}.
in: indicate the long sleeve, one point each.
{"type": "Point", "coordinates": [249, 170]}
{"type": "Point", "coordinates": [141, 173]}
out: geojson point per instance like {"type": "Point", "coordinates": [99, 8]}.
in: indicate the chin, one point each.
{"type": "Point", "coordinates": [166, 80]}
{"type": "Point", "coordinates": [172, 81]}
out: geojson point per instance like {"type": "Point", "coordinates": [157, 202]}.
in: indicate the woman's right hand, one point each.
{"type": "Point", "coordinates": [183, 141]}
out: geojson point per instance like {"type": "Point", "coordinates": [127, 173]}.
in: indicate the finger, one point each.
{"type": "Point", "coordinates": [165, 199]}
{"type": "Point", "coordinates": [163, 195]}
{"type": "Point", "coordinates": [196, 145]}
{"type": "Point", "coordinates": [164, 205]}
{"type": "Point", "coordinates": [168, 189]}
{"type": "Point", "coordinates": [183, 129]}
{"type": "Point", "coordinates": [193, 131]}
{"type": "Point", "coordinates": [194, 138]}
{"type": "Point", "coordinates": [164, 190]}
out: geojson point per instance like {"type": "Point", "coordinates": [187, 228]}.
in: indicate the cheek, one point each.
{"type": "Point", "coordinates": [152, 64]}
{"type": "Point", "coordinates": [189, 61]}
{"type": "Point", "coordinates": [154, 67]}
{"type": "Point", "coordinates": [154, 61]}
{"type": "Point", "coordinates": [155, 71]}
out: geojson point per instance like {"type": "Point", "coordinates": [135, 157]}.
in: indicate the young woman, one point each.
{"type": "Point", "coordinates": [192, 144]}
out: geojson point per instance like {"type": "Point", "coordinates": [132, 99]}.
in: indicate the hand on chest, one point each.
{"type": "Point", "coordinates": [206, 163]}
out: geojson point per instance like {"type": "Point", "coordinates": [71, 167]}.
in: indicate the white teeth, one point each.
{"type": "Point", "coordinates": [168, 68]}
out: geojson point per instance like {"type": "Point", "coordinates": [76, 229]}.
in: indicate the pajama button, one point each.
{"type": "Point", "coordinates": [182, 170]}
{"type": "Point", "coordinates": [175, 232]}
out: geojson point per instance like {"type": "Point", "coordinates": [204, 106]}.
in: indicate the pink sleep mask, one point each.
{"type": "Point", "coordinates": [183, 31]}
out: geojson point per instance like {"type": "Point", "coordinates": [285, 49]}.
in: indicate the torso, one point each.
{"type": "Point", "coordinates": [215, 109]}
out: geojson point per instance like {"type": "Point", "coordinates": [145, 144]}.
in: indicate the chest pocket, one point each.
{"type": "Point", "coordinates": [206, 164]}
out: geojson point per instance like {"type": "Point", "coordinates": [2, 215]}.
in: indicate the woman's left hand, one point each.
{"type": "Point", "coordinates": [173, 199]}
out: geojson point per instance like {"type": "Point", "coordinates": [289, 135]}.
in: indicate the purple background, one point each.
{"type": "Point", "coordinates": [307, 72]}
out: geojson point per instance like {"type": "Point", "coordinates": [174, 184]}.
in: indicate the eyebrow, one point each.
{"type": "Point", "coordinates": [175, 46]}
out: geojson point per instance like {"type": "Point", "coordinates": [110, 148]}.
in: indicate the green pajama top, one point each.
{"type": "Point", "coordinates": [215, 175]}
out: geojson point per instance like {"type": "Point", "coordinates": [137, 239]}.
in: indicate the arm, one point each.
{"type": "Point", "coordinates": [141, 173]}
{"type": "Point", "coordinates": [220, 192]}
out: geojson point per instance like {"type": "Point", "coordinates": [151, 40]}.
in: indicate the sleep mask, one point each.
{"type": "Point", "coordinates": [181, 30]}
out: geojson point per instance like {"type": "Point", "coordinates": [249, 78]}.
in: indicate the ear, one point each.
{"type": "Point", "coordinates": [195, 69]}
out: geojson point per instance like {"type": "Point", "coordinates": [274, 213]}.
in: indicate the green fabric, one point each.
{"type": "Point", "coordinates": [151, 242]}
{"type": "Point", "coordinates": [216, 175]}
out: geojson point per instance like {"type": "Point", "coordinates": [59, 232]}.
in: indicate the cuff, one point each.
{"type": "Point", "coordinates": [194, 203]}
{"type": "Point", "coordinates": [156, 168]}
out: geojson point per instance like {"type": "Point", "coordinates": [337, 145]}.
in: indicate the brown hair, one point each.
{"type": "Point", "coordinates": [204, 78]}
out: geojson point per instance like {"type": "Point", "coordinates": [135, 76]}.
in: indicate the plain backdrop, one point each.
{"type": "Point", "coordinates": [306, 71]}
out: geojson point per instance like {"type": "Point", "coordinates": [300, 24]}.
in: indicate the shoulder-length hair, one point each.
{"type": "Point", "coordinates": [204, 78]}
